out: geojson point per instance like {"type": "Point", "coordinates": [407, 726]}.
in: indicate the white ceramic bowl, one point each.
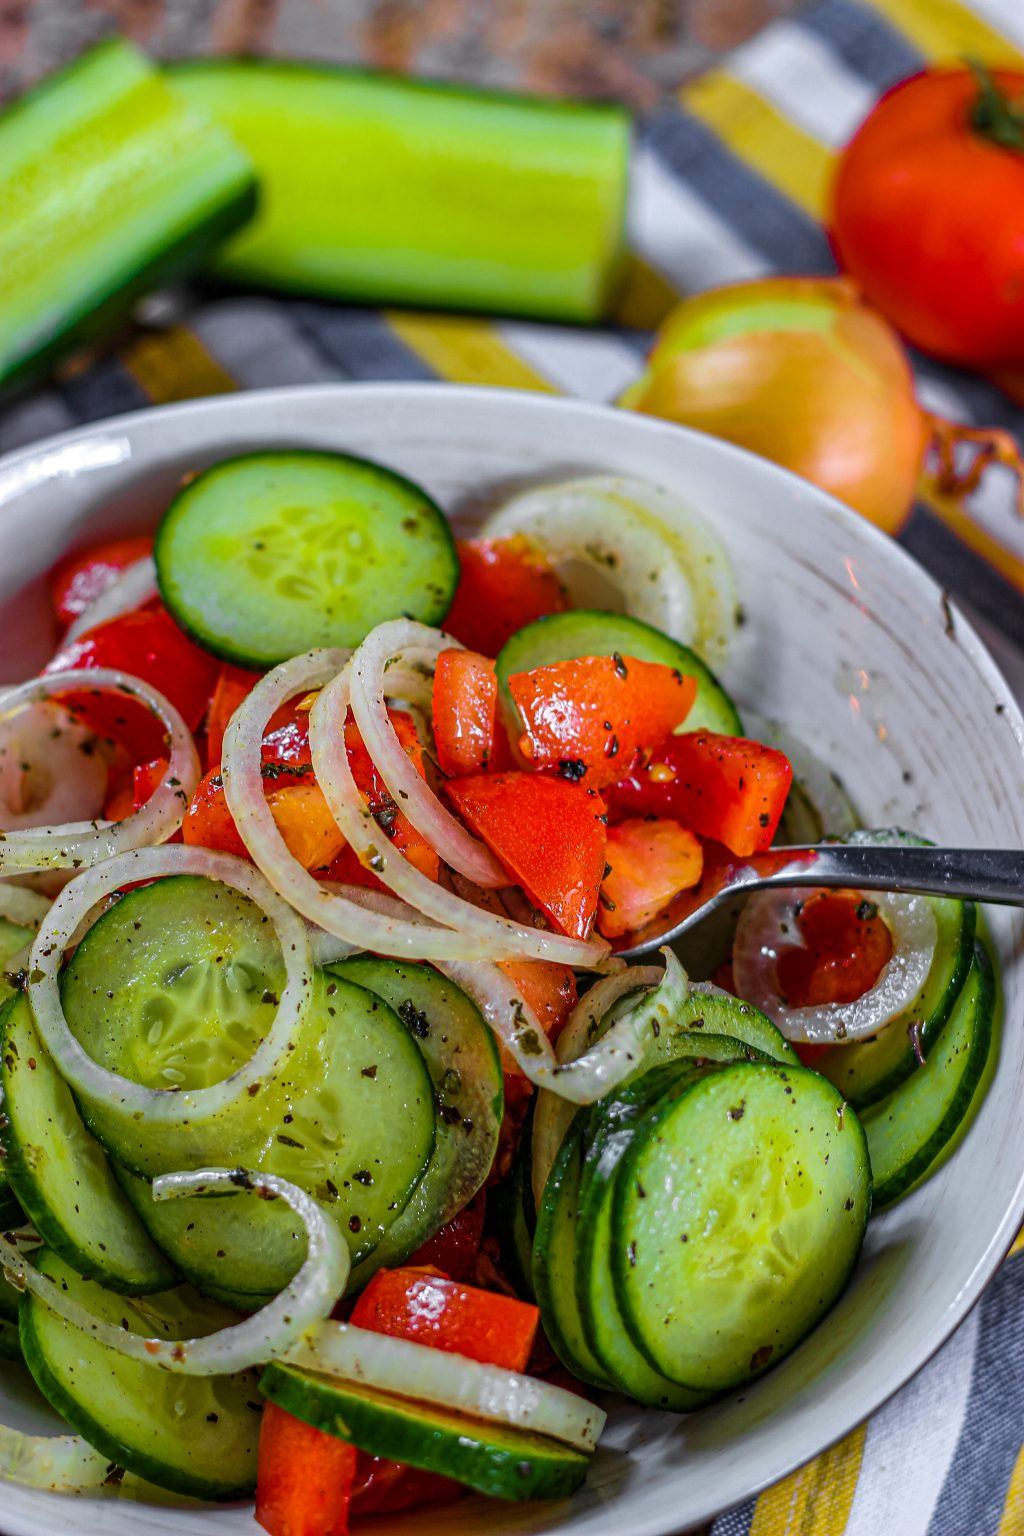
{"type": "Point", "coordinates": [848, 641]}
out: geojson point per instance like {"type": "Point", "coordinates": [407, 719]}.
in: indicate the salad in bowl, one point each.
{"type": "Point", "coordinates": [346, 1162]}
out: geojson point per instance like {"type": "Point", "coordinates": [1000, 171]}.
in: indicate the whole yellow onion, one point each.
{"type": "Point", "coordinates": [802, 371]}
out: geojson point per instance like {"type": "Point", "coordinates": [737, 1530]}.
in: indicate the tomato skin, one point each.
{"type": "Point", "coordinates": [505, 584]}
{"type": "Point", "coordinates": [386, 1487]}
{"type": "Point", "coordinates": [547, 988]}
{"type": "Point", "coordinates": [927, 214]}
{"type": "Point", "coordinates": [304, 1477]}
{"type": "Point", "coordinates": [429, 1308]}
{"type": "Point", "coordinates": [79, 579]}
{"type": "Point", "coordinates": [845, 945]}
{"type": "Point", "coordinates": [467, 732]}
{"type": "Point", "coordinates": [232, 686]}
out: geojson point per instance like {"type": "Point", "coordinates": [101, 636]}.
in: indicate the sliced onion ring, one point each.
{"type": "Point", "coordinates": [55, 1463]}
{"type": "Point", "coordinates": [417, 1371]}
{"type": "Point", "coordinates": [71, 846]}
{"type": "Point", "coordinates": [128, 590]}
{"type": "Point", "coordinates": [21, 906]}
{"type": "Point", "coordinates": [768, 925]}
{"type": "Point", "coordinates": [96, 1083]}
{"type": "Point", "coordinates": [302, 1304]}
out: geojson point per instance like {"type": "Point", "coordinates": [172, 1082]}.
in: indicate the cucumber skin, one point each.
{"type": "Point", "coordinates": [474, 1455]}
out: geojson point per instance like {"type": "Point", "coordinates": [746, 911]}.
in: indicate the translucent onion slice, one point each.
{"type": "Point", "coordinates": [55, 1463]}
{"type": "Point", "coordinates": [96, 1083]}
{"type": "Point", "coordinates": [22, 906]}
{"type": "Point", "coordinates": [498, 937]}
{"type": "Point", "coordinates": [552, 1115]}
{"type": "Point", "coordinates": [408, 645]}
{"type": "Point", "coordinates": [606, 1064]}
{"type": "Point", "coordinates": [768, 925]}
{"type": "Point", "coordinates": [73, 845]}
{"type": "Point", "coordinates": [306, 1301]}
{"type": "Point", "coordinates": [132, 587]}
{"type": "Point", "coordinates": [50, 772]}
{"type": "Point", "coordinates": [452, 1381]}
{"type": "Point", "coordinates": [666, 563]}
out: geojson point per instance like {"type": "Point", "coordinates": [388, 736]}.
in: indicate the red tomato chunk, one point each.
{"type": "Point", "coordinates": [505, 584]}
{"type": "Point", "coordinates": [304, 1477]}
{"type": "Point", "coordinates": [460, 1319]}
{"type": "Point", "coordinates": [649, 862]}
{"type": "Point", "coordinates": [845, 946]}
{"type": "Point", "coordinates": [80, 579]}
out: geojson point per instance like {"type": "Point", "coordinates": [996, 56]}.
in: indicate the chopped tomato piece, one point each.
{"type": "Point", "coordinates": [232, 686]}
{"type": "Point", "coordinates": [505, 584]}
{"type": "Point", "coordinates": [149, 645]}
{"type": "Point", "coordinates": [845, 946]}
{"type": "Point", "coordinates": [590, 717]}
{"type": "Point", "coordinates": [396, 827]}
{"type": "Point", "coordinates": [385, 1487]}
{"type": "Point", "coordinates": [547, 833]}
{"type": "Point", "coordinates": [304, 1477]}
{"type": "Point", "coordinates": [454, 1248]}
{"type": "Point", "coordinates": [721, 787]}
{"type": "Point", "coordinates": [549, 990]}
{"type": "Point", "coordinates": [648, 863]}
{"type": "Point", "coordinates": [306, 824]}
{"type": "Point", "coordinates": [79, 579]}
{"type": "Point", "coordinates": [460, 1319]}
{"type": "Point", "coordinates": [208, 822]}
{"type": "Point", "coordinates": [468, 733]}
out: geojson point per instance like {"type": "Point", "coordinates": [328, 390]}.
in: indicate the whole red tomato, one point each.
{"type": "Point", "coordinates": [927, 213]}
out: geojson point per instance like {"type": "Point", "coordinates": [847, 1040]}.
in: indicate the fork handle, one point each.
{"type": "Point", "coordinates": [980, 874]}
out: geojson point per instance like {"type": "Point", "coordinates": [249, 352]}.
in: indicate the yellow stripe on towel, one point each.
{"type": "Point", "coordinates": [465, 350]}
{"type": "Point", "coordinates": [816, 1500]}
{"type": "Point", "coordinates": [173, 364]}
{"type": "Point", "coordinates": [945, 29]}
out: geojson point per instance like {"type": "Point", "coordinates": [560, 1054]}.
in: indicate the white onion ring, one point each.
{"type": "Point", "coordinates": [164, 1105]}
{"type": "Point", "coordinates": [669, 567]}
{"type": "Point", "coordinates": [21, 906]}
{"type": "Point", "coordinates": [768, 924]}
{"type": "Point", "coordinates": [302, 1304]}
{"type": "Point", "coordinates": [126, 591]}
{"type": "Point", "coordinates": [496, 936]}
{"type": "Point", "coordinates": [606, 1064]}
{"type": "Point", "coordinates": [72, 845]}
{"type": "Point", "coordinates": [411, 1370]}
{"type": "Point", "coordinates": [55, 1463]}
{"type": "Point", "coordinates": [394, 643]}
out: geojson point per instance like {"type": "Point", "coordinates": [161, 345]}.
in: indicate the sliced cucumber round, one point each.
{"type": "Point", "coordinates": [586, 632]}
{"type": "Point", "coordinates": [61, 1174]}
{"type": "Point", "coordinates": [738, 1215]}
{"type": "Point", "coordinates": [460, 1054]}
{"type": "Point", "coordinates": [196, 1435]}
{"type": "Point", "coordinates": [908, 1131]}
{"type": "Point", "coordinates": [267, 555]}
{"type": "Point", "coordinates": [495, 1459]}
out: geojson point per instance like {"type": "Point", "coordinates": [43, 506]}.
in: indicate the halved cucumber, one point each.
{"type": "Point", "coordinates": [462, 1058]}
{"type": "Point", "coordinates": [267, 555]}
{"type": "Point", "coordinates": [110, 184]}
{"type": "Point", "coordinates": [586, 632]}
{"type": "Point", "coordinates": [738, 1214]}
{"type": "Point", "coordinates": [61, 1174]}
{"type": "Point", "coordinates": [494, 1459]}
{"type": "Point", "coordinates": [907, 1131]}
{"type": "Point", "coordinates": [194, 1434]}
{"type": "Point", "coordinates": [867, 1070]}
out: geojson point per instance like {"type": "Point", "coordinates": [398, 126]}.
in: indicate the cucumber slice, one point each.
{"type": "Point", "coordinates": [110, 184]}
{"type": "Point", "coordinates": [196, 1435]}
{"type": "Point", "coordinates": [866, 1071]}
{"type": "Point", "coordinates": [763, 1188]}
{"type": "Point", "coordinates": [494, 1459]}
{"type": "Point", "coordinates": [267, 555]}
{"type": "Point", "coordinates": [12, 939]}
{"type": "Point", "coordinates": [586, 632]}
{"type": "Point", "coordinates": [721, 1015]}
{"type": "Point", "coordinates": [907, 1131]}
{"type": "Point", "coordinates": [61, 1175]}
{"type": "Point", "coordinates": [390, 190]}
{"type": "Point", "coordinates": [460, 1054]}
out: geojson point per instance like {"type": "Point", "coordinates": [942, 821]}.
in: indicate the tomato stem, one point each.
{"type": "Point", "coordinates": [993, 114]}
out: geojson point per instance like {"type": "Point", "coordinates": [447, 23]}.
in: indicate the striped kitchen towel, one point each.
{"type": "Point", "coordinates": [728, 184]}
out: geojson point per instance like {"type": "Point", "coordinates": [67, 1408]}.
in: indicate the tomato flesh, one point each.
{"type": "Point", "coordinates": [649, 863]}
{"type": "Point", "coordinates": [304, 1477]}
{"type": "Point", "coordinates": [505, 584]}
{"type": "Point", "coordinates": [454, 1248]}
{"type": "Point", "coordinates": [845, 947]}
{"type": "Point", "coordinates": [467, 733]}
{"type": "Point", "coordinates": [79, 579]}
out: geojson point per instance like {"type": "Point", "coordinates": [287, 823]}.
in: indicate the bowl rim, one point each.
{"type": "Point", "coordinates": [228, 406]}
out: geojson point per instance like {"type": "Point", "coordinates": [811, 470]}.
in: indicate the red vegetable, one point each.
{"type": "Point", "coordinates": [208, 822]}
{"type": "Point", "coordinates": [845, 946]}
{"type": "Point", "coordinates": [505, 584]}
{"type": "Point", "coordinates": [460, 1319]}
{"type": "Point", "coordinates": [649, 863]}
{"type": "Point", "coordinates": [927, 213]}
{"type": "Point", "coordinates": [722, 787]}
{"type": "Point", "coordinates": [467, 733]}
{"type": "Point", "coordinates": [547, 833]}
{"type": "Point", "coordinates": [549, 990]}
{"type": "Point", "coordinates": [385, 1487]}
{"type": "Point", "coordinates": [454, 1248]}
{"type": "Point", "coordinates": [304, 1477]}
{"type": "Point", "coordinates": [79, 579]}
{"type": "Point", "coordinates": [232, 686]}
{"type": "Point", "coordinates": [589, 718]}
{"type": "Point", "coordinates": [149, 645]}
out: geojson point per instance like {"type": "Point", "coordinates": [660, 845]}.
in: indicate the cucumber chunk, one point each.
{"type": "Point", "coordinates": [761, 1187]}
{"type": "Point", "coordinates": [196, 1435]}
{"type": "Point", "coordinates": [267, 555]}
{"type": "Point", "coordinates": [907, 1131]}
{"type": "Point", "coordinates": [110, 183]}
{"type": "Point", "coordinates": [494, 1459]}
{"type": "Point", "coordinates": [583, 632]}
{"type": "Point", "coordinates": [61, 1174]}
{"type": "Point", "coordinates": [460, 1053]}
